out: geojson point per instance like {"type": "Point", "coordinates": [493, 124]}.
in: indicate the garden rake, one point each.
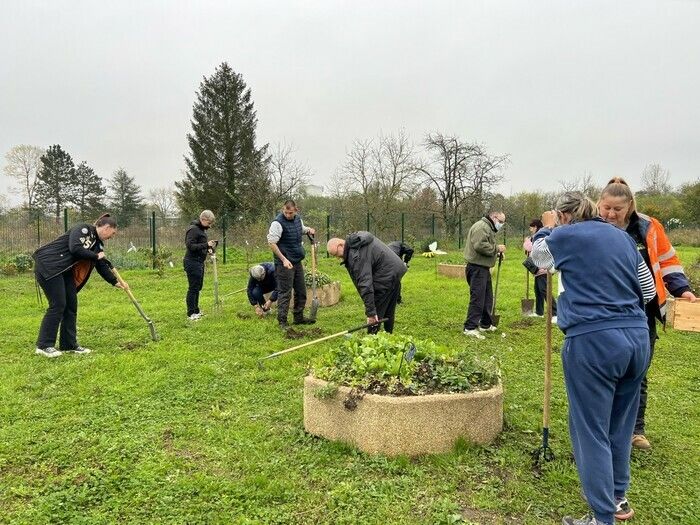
{"type": "Point", "coordinates": [545, 453]}
{"type": "Point", "coordinates": [125, 287]}
{"type": "Point", "coordinates": [321, 339]}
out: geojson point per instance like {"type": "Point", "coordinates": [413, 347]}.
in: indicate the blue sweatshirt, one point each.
{"type": "Point", "coordinates": [598, 264]}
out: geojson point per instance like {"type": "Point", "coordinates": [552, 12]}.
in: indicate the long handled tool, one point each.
{"type": "Point", "coordinates": [314, 298]}
{"type": "Point", "coordinates": [126, 288]}
{"type": "Point", "coordinates": [326, 338]}
{"type": "Point", "coordinates": [235, 292]}
{"type": "Point", "coordinates": [495, 318]}
{"type": "Point", "coordinates": [527, 304]}
{"type": "Point", "coordinates": [217, 302]}
{"type": "Point", "coordinates": [544, 453]}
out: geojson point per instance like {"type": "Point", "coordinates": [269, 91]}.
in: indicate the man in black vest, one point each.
{"type": "Point", "coordinates": [284, 238]}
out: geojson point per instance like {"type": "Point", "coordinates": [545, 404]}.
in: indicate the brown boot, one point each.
{"type": "Point", "coordinates": [641, 442]}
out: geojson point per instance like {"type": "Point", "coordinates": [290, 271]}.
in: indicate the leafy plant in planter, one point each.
{"type": "Point", "coordinates": [321, 279]}
{"type": "Point", "coordinates": [376, 364]}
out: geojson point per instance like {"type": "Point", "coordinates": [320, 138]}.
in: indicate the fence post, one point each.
{"type": "Point", "coordinates": [367, 221]}
{"type": "Point", "coordinates": [223, 235]}
{"type": "Point", "coordinates": [328, 231]}
{"type": "Point", "coordinates": [38, 229]}
{"type": "Point", "coordinates": [153, 237]}
{"type": "Point", "coordinates": [403, 222]}
{"type": "Point", "coordinates": [433, 226]}
{"type": "Point", "coordinates": [459, 239]}
{"type": "Point", "coordinates": [65, 220]}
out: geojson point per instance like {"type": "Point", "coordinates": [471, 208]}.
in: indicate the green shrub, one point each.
{"type": "Point", "coordinates": [373, 363]}
{"type": "Point", "coordinates": [158, 260]}
{"type": "Point", "coordinates": [23, 262]}
{"type": "Point", "coordinates": [321, 279]}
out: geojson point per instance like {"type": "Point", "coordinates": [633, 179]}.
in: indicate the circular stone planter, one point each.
{"type": "Point", "coordinates": [328, 295]}
{"type": "Point", "coordinates": [407, 425]}
{"type": "Point", "coordinates": [451, 270]}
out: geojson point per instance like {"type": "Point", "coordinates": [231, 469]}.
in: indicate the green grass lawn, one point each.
{"type": "Point", "coordinates": [190, 430]}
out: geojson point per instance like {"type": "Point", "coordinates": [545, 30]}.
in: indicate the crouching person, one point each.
{"type": "Point", "coordinates": [376, 272]}
{"type": "Point", "coordinates": [262, 280]}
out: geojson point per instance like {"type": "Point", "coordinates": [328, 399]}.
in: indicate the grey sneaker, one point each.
{"type": "Point", "coordinates": [623, 511]}
{"type": "Point", "coordinates": [78, 350]}
{"type": "Point", "coordinates": [586, 520]}
{"type": "Point", "coordinates": [473, 333]}
{"type": "Point", "coordinates": [49, 351]}
{"type": "Point", "coordinates": [195, 317]}
{"type": "Point", "coordinates": [489, 329]}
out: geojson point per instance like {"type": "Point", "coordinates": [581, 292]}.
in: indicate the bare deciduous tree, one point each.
{"type": "Point", "coordinates": [460, 173]}
{"type": "Point", "coordinates": [655, 180]}
{"type": "Point", "coordinates": [585, 184]}
{"type": "Point", "coordinates": [163, 202]}
{"type": "Point", "coordinates": [23, 163]}
{"type": "Point", "coordinates": [288, 176]}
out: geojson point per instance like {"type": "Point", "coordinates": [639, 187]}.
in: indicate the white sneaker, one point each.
{"type": "Point", "coordinates": [554, 319]}
{"type": "Point", "coordinates": [489, 329]}
{"type": "Point", "coordinates": [48, 352]}
{"type": "Point", "coordinates": [473, 333]}
{"type": "Point", "coordinates": [78, 350]}
{"type": "Point", "coordinates": [195, 317]}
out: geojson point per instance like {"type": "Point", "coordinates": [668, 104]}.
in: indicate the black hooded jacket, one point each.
{"type": "Point", "coordinates": [373, 267]}
{"type": "Point", "coordinates": [76, 249]}
{"type": "Point", "coordinates": [196, 242]}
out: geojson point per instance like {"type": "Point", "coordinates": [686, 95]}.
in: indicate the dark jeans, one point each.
{"type": "Point", "coordinates": [480, 297]}
{"type": "Point", "coordinates": [258, 296]}
{"type": "Point", "coordinates": [541, 295]}
{"type": "Point", "coordinates": [385, 303]}
{"type": "Point", "coordinates": [63, 310]}
{"type": "Point", "coordinates": [195, 280]}
{"type": "Point", "coordinates": [288, 280]}
{"type": "Point", "coordinates": [641, 411]}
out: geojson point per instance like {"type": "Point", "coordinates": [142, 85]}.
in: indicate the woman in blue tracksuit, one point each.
{"type": "Point", "coordinates": [606, 350]}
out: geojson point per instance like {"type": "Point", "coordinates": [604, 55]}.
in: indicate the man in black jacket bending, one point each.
{"type": "Point", "coordinates": [376, 272]}
{"type": "Point", "coordinates": [198, 246]}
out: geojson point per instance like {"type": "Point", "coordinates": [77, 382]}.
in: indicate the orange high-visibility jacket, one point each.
{"type": "Point", "coordinates": [665, 266]}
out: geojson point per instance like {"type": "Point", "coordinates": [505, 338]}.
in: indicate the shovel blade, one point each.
{"type": "Point", "coordinates": [526, 305]}
{"type": "Point", "coordinates": [314, 308]}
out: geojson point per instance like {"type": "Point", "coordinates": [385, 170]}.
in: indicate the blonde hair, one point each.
{"type": "Point", "coordinates": [578, 205]}
{"type": "Point", "coordinates": [618, 187]}
{"type": "Point", "coordinates": [207, 215]}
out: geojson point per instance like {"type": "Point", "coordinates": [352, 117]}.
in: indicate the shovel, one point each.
{"type": "Point", "coordinates": [544, 453]}
{"type": "Point", "coordinates": [495, 318]}
{"type": "Point", "coordinates": [527, 304]}
{"type": "Point", "coordinates": [314, 301]}
{"type": "Point", "coordinates": [326, 338]}
{"type": "Point", "coordinates": [217, 302]}
{"type": "Point", "coordinates": [151, 327]}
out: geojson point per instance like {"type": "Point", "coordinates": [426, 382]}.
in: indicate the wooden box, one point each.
{"type": "Point", "coordinates": [684, 315]}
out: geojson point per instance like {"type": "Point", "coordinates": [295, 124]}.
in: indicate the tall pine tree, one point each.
{"type": "Point", "coordinates": [89, 191]}
{"type": "Point", "coordinates": [56, 180]}
{"type": "Point", "coordinates": [226, 171]}
{"type": "Point", "coordinates": [125, 198]}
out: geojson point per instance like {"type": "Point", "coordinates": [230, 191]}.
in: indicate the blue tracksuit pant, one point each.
{"type": "Point", "coordinates": [603, 371]}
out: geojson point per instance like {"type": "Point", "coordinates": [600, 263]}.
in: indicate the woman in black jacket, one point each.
{"type": "Point", "coordinates": [198, 246]}
{"type": "Point", "coordinates": [62, 267]}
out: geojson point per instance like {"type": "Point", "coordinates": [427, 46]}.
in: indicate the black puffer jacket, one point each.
{"type": "Point", "coordinates": [373, 267]}
{"type": "Point", "coordinates": [78, 247]}
{"type": "Point", "coordinates": [196, 242]}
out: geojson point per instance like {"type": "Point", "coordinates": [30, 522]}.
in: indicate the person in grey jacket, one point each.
{"type": "Point", "coordinates": [480, 253]}
{"type": "Point", "coordinates": [376, 272]}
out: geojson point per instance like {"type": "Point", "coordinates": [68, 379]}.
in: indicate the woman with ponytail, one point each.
{"type": "Point", "coordinates": [606, 347]}
{"type": "Point", "coordinates": [62, 267]}
{"type": "Point", "coordinates": [617, 206]}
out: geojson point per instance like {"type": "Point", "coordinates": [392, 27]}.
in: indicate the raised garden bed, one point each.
{"type": "Point", "coordinates": [328, 295]}
{"type": "Point", "coordinates": [356, 395]}
{"type": "Point", "coordinates": [451, 270]}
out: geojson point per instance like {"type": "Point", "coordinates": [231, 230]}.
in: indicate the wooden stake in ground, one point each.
{"type": "Point", "coordinates": [544, 453]}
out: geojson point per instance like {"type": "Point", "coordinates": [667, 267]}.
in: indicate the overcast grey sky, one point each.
{"type": "Point", "coordinates": [563, 87]}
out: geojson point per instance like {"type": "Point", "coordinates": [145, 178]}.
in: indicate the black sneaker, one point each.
{"type": "Point", "coordinates": [49, 351]}
{"type": "Point", "coordinates": [304, 320]}
{"type": "Point", "coordinates": [624, 511]}
{"type": "Point", "coordinates": [284, 326]}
